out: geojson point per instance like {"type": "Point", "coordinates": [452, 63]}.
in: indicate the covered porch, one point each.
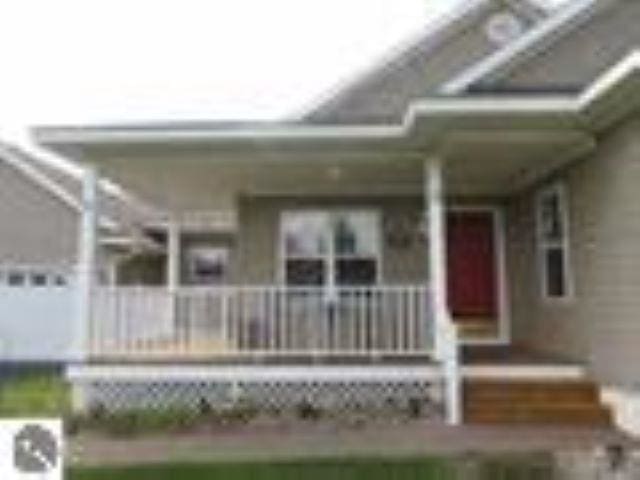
{"type": "Point", "coordinates": [362, 299]}
{"type": "Point", "coordinates": [355, 249]}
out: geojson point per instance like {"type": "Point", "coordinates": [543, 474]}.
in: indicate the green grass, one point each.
{"type": "Point", "coordinates": [34, 394]}
{"type": "Point", "coordinates": [434, 468]}
{"type": "Point", "coordinates": [423, 469]}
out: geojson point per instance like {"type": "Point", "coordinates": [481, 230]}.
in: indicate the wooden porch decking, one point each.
{"type": "Point", "coordinates": [477, 361]}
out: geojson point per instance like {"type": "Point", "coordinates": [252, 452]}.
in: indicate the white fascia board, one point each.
{"type": "Point", "coordinates": [88, 136]}
{"type": "Point", "coordinates": [437, 32]}
{"type": "Point", "coordinates": [610, 79]}
{"type": "Point", "coordinates": [12, 157]}
{"type": "Point", "coordinates": [490, 106]}
{"type": "Point", "coordinates": [566, 18]}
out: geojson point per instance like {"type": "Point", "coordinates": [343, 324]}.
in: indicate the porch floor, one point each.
{"type": "Point", "coordinates": [483, 365]}
{"type": "Point", "coordinates": [471, 355]}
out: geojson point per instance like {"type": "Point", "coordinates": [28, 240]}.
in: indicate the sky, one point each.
{"type": "Point", "coordinates": [90, 61]}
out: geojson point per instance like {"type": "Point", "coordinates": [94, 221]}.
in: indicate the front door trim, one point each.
{"type": "Point", "coordinates": [503, 335]}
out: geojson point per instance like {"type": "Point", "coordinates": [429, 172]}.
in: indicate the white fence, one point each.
{"type": "Point", "coordinates": [36, 322]}
{"type": "Point", "coordinates": [262, 320]}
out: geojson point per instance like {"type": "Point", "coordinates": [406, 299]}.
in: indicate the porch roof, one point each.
{"type": "Point", "coordinates": [491, 144]}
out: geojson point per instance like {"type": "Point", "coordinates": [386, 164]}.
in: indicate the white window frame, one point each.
{"type": "Point", "coordinates": [192, 253]}
{"type": "Point", "coordinates": [543, 245]}
{"type": "Point", "coordinates": [329, 257]}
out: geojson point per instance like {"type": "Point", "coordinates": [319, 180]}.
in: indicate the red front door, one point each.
{"type": "Point", "coordinates": [471, 265]}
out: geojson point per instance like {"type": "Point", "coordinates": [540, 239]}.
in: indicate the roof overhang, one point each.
{"type": "Point", "coordinates": [431, 126]}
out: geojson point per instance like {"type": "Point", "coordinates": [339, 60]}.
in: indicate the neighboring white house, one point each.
{"type": "Point", "coordinates": [40, 214]}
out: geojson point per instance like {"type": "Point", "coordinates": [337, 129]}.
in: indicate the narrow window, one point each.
{"type": "Point", "coordinates": [552, 235]}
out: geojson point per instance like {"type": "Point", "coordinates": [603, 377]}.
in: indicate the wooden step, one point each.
{"type": "Point", "coordinates": [574, 391]}
{"type": "Point", "coordinates": [541, 414]}
{"type": "Point", "coordinates": [534, 402]}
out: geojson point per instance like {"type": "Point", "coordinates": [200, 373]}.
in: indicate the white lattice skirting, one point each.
{"type": "Point", "coordinates": [117, 396]}
{"type": "Point", "coordinates": [335, 394]}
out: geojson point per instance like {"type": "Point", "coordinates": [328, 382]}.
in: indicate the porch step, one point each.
{"type": "Point", "coordinates": [534, 402]}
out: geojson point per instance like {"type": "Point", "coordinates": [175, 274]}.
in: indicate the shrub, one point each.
{"type": "Point", "coordinates": [127, 423]}
{"type": "Point", "coordinates": [307, 411]}
{"type": "Point", "coordinates": [415, 407]}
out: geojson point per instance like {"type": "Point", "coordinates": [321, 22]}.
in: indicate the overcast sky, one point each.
{"type": "Point", "coordinates": [105, 61]}
{"type": "Point", "coordinates": [89, 61]}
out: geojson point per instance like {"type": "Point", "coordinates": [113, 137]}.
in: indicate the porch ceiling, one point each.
{"type": "Point", "coordinates": [477, 163]}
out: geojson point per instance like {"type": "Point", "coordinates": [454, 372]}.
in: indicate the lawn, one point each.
{"type": "Point", "coordinates": [33, 392]}
{"type": "Point", "coordinates": [502, 468]}
{"type": "Point", "coordinates": [423, 469]}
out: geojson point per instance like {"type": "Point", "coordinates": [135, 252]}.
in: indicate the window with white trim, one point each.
{"type": "Point", "coordinates": [339, 247]}
{"type": "Point", "coordinates": [207, 265]}
{"type": "Point", "coordinates": [552, 236]}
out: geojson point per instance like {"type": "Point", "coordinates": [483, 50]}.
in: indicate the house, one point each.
{"type": "Point", "coordinates": [41, 212]}
{"type": "Point", "coordinates": [459, 224]}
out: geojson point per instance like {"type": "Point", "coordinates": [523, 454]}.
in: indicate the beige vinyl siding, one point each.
{"type": "Point", "coordinates": [257, 254]}
{"type": "Point", "coordinates": [602, 324]}
{"type": "Point", "coordinates": [35, 226]}
{"type": "Point", "coordinates": [385, 95]}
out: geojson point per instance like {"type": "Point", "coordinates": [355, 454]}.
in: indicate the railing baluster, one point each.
{"type": "Point", "coordinates": [373, 338]}
{"type": "Point", "coordinates": [271, 324]}
{"type": "Point", "coordinates": [400, 320]}
{"type": "Point", "coordinates": [409, 316]}
{"type": "Point", "coordinates": [240, 320]}
{"type": "Point", "coordinates": [222, 316]}
{"type": "Point", "coordinates": [262, 320]}
{"type": "Point", "coordinates": [325, 318]}
{"type": "Point", "coordinates": [284, 318]}
{"type": "Point", "coordinates": [362, 314]}
{"type": "Point", "coordinates": [355, 310]}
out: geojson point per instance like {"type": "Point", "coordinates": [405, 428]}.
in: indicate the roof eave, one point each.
{"type": "Point", "coordinates": [584, 107]}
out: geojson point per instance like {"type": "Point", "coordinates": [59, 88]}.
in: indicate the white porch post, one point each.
{"type": "Point", "coordinates": [173, 255]}
{"type": "Point", "coordinates": [435, 209]}
{"type": "Point", "coordinates": [86, 267]}
{"type": "Point", "coordinates": [445, 334]}
{"type": "Point", "coordinates": [173, 269]}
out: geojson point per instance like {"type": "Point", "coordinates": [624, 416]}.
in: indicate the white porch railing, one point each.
{"type": "Point", "coordinates": [261, 320]}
